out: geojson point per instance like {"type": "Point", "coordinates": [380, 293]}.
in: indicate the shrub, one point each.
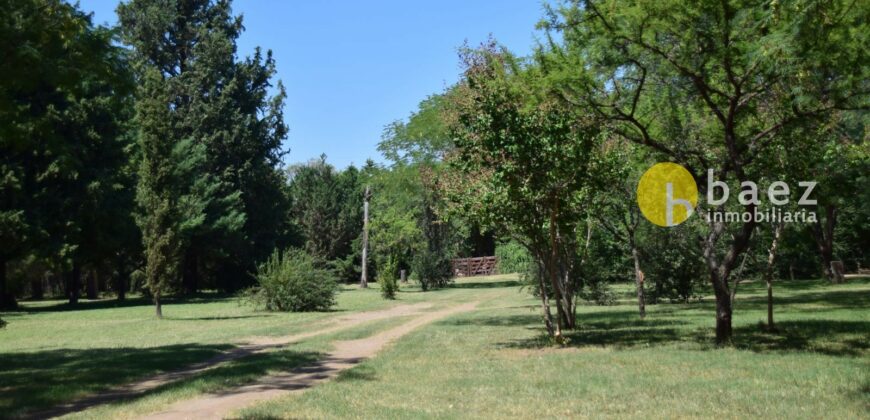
{"type": "Point", "coordinates": [598, 292]}
{"type": "Point", "coordinates": [513, 258]}
{"type": "Point", "coordinates": [432, 268]}
{"type": "Point", "coordinates": [293, 281]}
{"type": "Point", "coordinates": [674, 268]}
{"type": "Point", "coordinates": [387, 279]}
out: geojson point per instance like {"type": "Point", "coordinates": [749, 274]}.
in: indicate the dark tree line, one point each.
{"type": "Point", "coordinates": [149, 148]}
{"type": "Point", "coordinates": [66, 150]}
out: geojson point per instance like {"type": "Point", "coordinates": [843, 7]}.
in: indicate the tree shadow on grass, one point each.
{"type": "Point", "coordinates": [221, 377]}
{"type": "Point", "coordinates": [831, 337]}
{"type": "Point", "coordinates": [612, 329]}
{"type": "Point", "coordinates": [46, 378]}
{"type": "Point", "coordinates": [833, 299]}
{"type": "Point", "coordinates": [218, 318]}
{"type": "Point", "coordinates": [84, 305]}
{"type": "Point", "coordinates": [623, 329]}
{"type": "Point", "coordinates": [485, 285]}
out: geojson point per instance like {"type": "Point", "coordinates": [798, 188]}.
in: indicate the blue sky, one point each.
{"type": "Point", "coordinates": [351, 67]}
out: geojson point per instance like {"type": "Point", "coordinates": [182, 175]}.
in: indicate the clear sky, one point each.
{"type": "Point", "coordinates": [351, 67]}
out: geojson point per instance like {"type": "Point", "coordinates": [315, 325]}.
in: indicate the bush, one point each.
{"type": "Point", "coordinates": [606, 263]}
{"type": "Point", "coordinates": [387, 279]}
{"type": "Point", "coordinates": [293, 281]}
{"type": "Point", "coordinates": [600, 293]}
{"type": "Point", "coordinates": [512, 258]}
{"type": "Point", "coordinates": [674, 267]}
{"type": "Point", "coordinates": [432, 269]}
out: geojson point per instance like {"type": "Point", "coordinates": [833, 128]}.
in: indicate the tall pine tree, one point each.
{"type": "Point", "coordinates": [64, 91]}
{"type": "Point", "coordinates": [210, 136]}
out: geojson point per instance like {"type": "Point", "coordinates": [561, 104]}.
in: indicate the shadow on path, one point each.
{"type": "Point", "coordinates": [45, 378]}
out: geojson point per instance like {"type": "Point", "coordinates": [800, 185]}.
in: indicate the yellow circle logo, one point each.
{"type": "Point", "coordinates": [667, 194]}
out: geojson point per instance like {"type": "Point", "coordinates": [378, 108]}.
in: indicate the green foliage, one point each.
{"type": "Point", "coordinates": [394, 212]}
{"type": "Point", "coordinates": [431, 260]}
{"type": "Point", "coordinates": [387, 279]}
{"type": "Point", "coordinates": [214, 181]}
{"type": "Point", "coordinates": [328, 213]}
{"type": "Point", "coordinates": [513, 258]}
{"type": "Point", "coordinates": [673, 267]}
{"type": "Point", "coordinates": [64, 153]}
{"type": "Point", "coordinates": [605, 263]}
{"type": "Point", "coordinates": [409, 223]}
{"type": "Point", "coordinates": [600, 293]}
{"type": "Point", "coordinates": [524, 165]}
{"type": "Point", "coordinates": [712, 85]}
{"type": "Point", "coordinates": [224, 197]}
{"type": "Point", "coordinates": [406, 225]}
{"type": "Point", "coordinates": [424, 138]}
{"type": "Point", "coordinates": [432, 268]}
{"type": "Point", "coordinates": [293, 281]}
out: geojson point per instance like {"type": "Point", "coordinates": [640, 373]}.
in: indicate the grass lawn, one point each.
{"type": "Point", "coordinates": [491, 362]}
{"type": "Point", "coordinates": [51, 352]}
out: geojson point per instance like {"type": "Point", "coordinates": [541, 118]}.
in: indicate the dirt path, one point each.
{"type": "Point", "coordinates": [247, 347]}
{"type": "Point", "coordinates": [345, 355]}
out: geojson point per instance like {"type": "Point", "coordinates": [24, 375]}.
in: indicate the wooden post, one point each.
{"type": "Point", "coordinates": [364, 281]}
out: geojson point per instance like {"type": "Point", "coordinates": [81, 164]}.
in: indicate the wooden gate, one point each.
{"type": "Point", "coordinates": [478, 266]}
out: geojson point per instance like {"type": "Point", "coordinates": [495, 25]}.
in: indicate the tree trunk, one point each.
{"type": "Point", "coordinates": [93, 279]}
{"type": "Point", "coordinates": [121, 286]}
{"type": "Point", "coordinates": [190, 278]}
{"type": "Point", "coordinates": [158, 307]}
{"type": "Point", "coordinates": [768, 273]}
{"type": "Point", "coordinates": [122, 278]}
{"type": "Point", "coordinates": [102, 283]}
{"type": "Point", "coordinates": [74, 283]}
{"type": "Point", "coordinates": [552, 270]}
{"type": "Point", "coordinates": [545, 301]}
{"type": "Point", "coordinates": [823, 234]}
{"type": "Point", "coordinates": [720, 271]}
{"type": "Point", "coordinates": [838, 272]}
{"type": "Point", "coordinates": [403, 276]}
{"type": "Point", "coordinates": [827, 255]}
{"type": "Point", "coordinates": [37, 291]}
{"type": "Point", "coordinates": [7, 299]}
{"type": "Point", "coordinates": [738, 279]}
{"type": "Point", "coordinates": [638, 277]}
{"type": "Point", "coordinates": [364, 280]}
{"type": "Point", "coordinates": [723, 320]}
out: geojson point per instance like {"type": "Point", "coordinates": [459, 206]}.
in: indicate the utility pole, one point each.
{"type": "Point", "coordinates": [364, 281]}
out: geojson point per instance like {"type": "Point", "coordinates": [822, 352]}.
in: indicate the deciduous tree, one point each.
{"type": "Point", "coordinates": [709, 84]}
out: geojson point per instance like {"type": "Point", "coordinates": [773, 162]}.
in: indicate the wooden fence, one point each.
{"type": "Point", "coordinates": [478, 266]}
